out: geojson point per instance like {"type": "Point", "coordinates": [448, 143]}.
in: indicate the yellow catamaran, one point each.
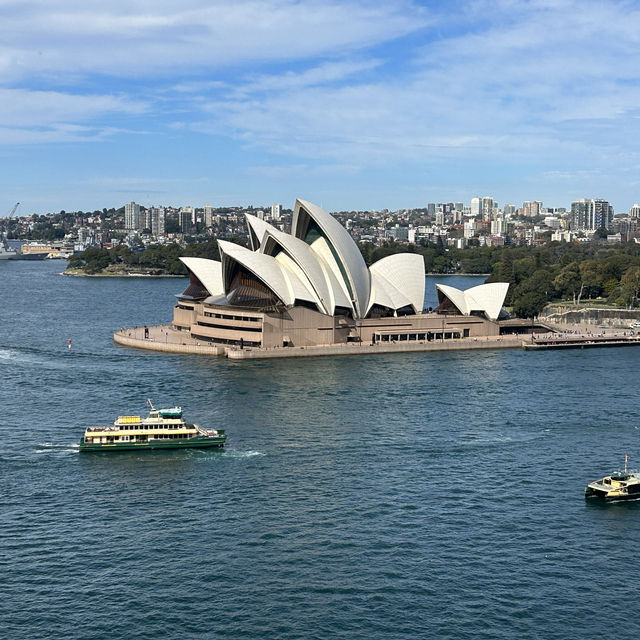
{"type": "Point", "coordinates": [161, 429]}
{"type": "Point", "coordinates": [619, 486]}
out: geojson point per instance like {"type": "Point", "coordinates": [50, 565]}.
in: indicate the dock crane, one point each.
{"type": "Point", "coordinates": [15, 206]}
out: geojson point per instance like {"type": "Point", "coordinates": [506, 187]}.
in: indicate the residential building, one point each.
{"type": "Point", "coordinates": [590, 214]}
{"type": "Point", "coordinates": [158, 217]}
{"type": "Point", "coordinates": [487, 208]}
{"type": "Point", "coordinates": [132, 216]}
{"type": "Point", "coordinates": [276, 211]}
{"type": "Point", "coordinates": [208, 216]}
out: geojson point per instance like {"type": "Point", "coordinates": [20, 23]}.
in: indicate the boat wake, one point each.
{"type": "Point", "coordinates": [9, 354]}
{"type": "Point", "coordinates": [62, 448]}
{"type": "Point", "coordinates": [31, 357]}
{"type": "Point", "coordinates": [232, 453]}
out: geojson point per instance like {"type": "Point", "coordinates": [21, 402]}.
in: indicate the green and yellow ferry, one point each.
{"type": "Point", "coordinates": [161, 429]}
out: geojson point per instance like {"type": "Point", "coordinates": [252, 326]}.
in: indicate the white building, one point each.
{"type": "Point", "coordinates": [469, 229]}
{"type": "Point", "coordinates": [208, 216]}
{"type": "Point", "coordinates": [276, 211]}
{"type": "Point", "coordinates": [563, 236]}
{"type": "Point", "coordinates": [132, 216]}
{"type": "Point", "coordinates": [158, 217]}
{"type": "Point", "coordinates": [487, 207]}
{"type": "Point", "coordinates": [553, 222]}
{"type": "Point", "coordinates": [312, 287]}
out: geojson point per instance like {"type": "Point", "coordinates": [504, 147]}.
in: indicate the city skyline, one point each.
{"type": "Point", "coordinates": [358, 106]}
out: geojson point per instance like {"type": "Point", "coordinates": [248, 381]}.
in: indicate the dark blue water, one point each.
{"type": "Point", "coordinates": [430, 495]}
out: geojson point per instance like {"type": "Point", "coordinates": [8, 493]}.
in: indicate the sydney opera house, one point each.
{"type": "Point", "coordinates": [312, 287]}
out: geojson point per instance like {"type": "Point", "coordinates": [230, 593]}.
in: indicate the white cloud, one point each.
{"type": "Point", "coordinates": [22, 107]}
{"type": "Point", "coordinates": [126, 38]}
{"type": "Point", "coordinates": [28, 117]}
{"type": "Point", "coordinates": [533, 86]}
{"type": "Point", "coordinates": [538, 80]}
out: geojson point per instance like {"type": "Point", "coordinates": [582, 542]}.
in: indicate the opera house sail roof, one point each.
{"type": "Point", "coordinates": [317, 265]}
{"type": "Point", "coordinates": [485, 299]}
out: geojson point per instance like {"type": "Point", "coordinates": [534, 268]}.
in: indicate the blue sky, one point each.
{"type": "Point", "coordinates": [349, 104]}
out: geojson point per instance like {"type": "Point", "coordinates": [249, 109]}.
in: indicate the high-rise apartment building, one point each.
{"type": "Point", "coordinates": [602, 214]}
{"type": "Point", "coordinates": [590, 214]}
{"type": "Point", "coordinates": [475, 207]}
{"type": "Point", "coordinates": [634, 212]}
{"type": "Point", "coordinates": [158, 217]}
{"type": "Point", "coordinates": [497, 226]}
{"type": "Point", "coordinates": [208, 216]}
{"type": "Point", "coordinates": [487, 208]}
{"type": "Point", "coordinates": [276, 211]}
{"type": "Point", "coordinates": [132, 216]}
{"type": "Point", "coordinates": [531, 209]}
{"type": "Point", "coordinates": [580, 214]}
{"type": "Point", "coordinates": [185, 215]}
{"type": "Point", "coordinates": [469, 229]}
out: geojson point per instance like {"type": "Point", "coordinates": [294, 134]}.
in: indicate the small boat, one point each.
{"type": "Point", "coordinates": [619, 486]}
{"type": "Point", "coordinates": [161, 429]}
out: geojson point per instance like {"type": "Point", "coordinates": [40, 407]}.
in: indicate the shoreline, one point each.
{"type": "Point", "coordinates": [166, 339]}
{"type": "Point", "coordinates": [121, 275]}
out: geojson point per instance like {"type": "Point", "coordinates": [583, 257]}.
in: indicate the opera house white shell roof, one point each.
{"type": "Point", "coordinates": [318, 264]}
{"type": "Point", "coordinates": [486, 299]}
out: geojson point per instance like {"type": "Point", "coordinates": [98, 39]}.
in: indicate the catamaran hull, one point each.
{"type": "Point", "coordinates": [600, 496]}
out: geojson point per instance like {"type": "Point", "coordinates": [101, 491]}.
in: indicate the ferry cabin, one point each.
{"type": "Point", "coordinates": [134, 429]}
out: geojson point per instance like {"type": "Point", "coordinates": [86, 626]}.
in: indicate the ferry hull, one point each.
{"type": "Point", "coordinates": [618, 498]}
{"type": "Point", "coordinates": [189, 443]}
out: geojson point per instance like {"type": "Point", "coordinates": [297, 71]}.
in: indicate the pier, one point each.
{"type": "Point", "coordinates": [581, 341]}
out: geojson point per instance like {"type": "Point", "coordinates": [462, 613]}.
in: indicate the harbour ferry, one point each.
{"type": "Point", "coordinates": [619, 486]}
{"type": "Point", "coordinates": [161, 429]}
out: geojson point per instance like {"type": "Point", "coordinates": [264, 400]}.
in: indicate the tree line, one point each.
{"type": "Point", "coordinates": [574, 272]}
{"type": "Point", "coordinates": [161, 259]}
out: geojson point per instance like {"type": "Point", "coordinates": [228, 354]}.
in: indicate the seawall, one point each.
{"type": "Point", "coordinates": [164, 338]}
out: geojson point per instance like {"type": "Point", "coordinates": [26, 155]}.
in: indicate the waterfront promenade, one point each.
{"type": "Point", "coordinates": [164, 338]}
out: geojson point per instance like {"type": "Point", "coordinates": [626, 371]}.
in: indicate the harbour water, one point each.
{"type": "Point", "coordinates": [428, 495]}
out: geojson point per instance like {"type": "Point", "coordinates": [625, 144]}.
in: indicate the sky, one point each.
{"type": "Point", "coordinates": [350, 104]}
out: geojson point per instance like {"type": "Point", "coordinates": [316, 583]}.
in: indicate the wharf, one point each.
{"type": "Point", "coordinates": [564, 341]}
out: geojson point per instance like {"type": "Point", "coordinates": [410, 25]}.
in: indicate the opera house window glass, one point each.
{"type": "Point", "coordinates": [247, 291]}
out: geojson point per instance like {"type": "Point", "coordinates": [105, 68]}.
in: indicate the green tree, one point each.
{"type": "Point", "coordinates": [630, 286]}
{"type": "Point", "coordinates": [529, 304]}
{"type": "Point", "coordinates": [568, 282]}
{"type": "Point", "coordinates": [591, 278]}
